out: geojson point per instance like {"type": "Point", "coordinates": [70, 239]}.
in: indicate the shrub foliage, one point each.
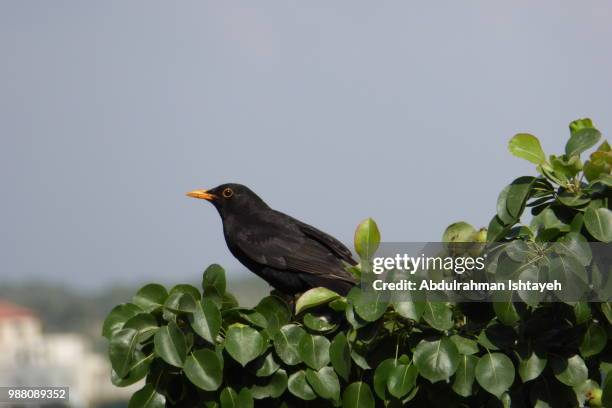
{"type": "Point", "coordinates": [197, 347]}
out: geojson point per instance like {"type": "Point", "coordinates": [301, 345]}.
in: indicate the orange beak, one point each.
{"type": "Point", "coordinates": [201, 194]}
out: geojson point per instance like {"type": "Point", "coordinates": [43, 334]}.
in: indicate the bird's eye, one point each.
{"type": "Point", "coordinates": [228, 192]}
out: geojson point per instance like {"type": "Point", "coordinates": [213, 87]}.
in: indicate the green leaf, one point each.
{"type": "Point", "coordinates": [286, 343]}
{"type": "Point", "coordinates": [594, 341]}
{"type": "Point", "coordinates": [527, 147]}
{"type": "Point", "coordinates": [206, 320]}
{"type": "Point", "coordinates": [314, 297]}
{"type": "Point", "coordinates": [409, 309]}
{"type": "Point", "coordinates": [180, 302]}
{"type": "Point", "coordinates": [299, 387]}
{"type": "Point", "coordinates": [572, 276]}
{"type": "Point", "coordinates": [214, 279]}
{"type": "Point", "coordinates": [138, 370]}
{"type": "Point", "coordinates": [464, 376]}
{"type": "Point", "coordinates": [319, 323]}
{"type": "Point", "coordinates": [530, 368]}
{"type": "Point", "coordinates": [579, 124]}
{"type": "Point", "coordinates": [369, 305]}
{"type": "Point", "coordinates": [497, 229]}
{"type": "Point", "coordinates": [204, 369]}
{"type": "Point", "coordinates": [570, 371]}
{"type": "Point", "coordinates": [184, 288]}
{"type": "Point", "coordinates": [582, 140]}
{"type": "Point", "coordinates": [147, 397]}
{"type": "Point", "coordinates": [506, 313]}
{"type": "Point", "coordinates": [273, 389]}
{"type": "Point", "coordinates": [439, 315]}
{"type": "Point", "coordinates": [501, 207]}
{"type": "Point", "coordinates": [324, 382]}
{"type": "Point", "coordinates": [266, 365]}
{"type": "Point", "coordinates": [150, 297]}
{"type": "Point", "coordinates": [367, 238]}
{"type": "Point", "coordinates": [599, 223]}
{"type": "Point", "coordinates": [121, 350]}
{"type": "Point", "coordinates": [340, 355]}
{"type": "Point", "coordinates": [229, 398]}
{"type": "Point", "coordinates": [575, 245]}
{"type": "Point", "coordinates": [572, 200]}
{"type": "Point", "coordinates": [314, 351]}
{"type": "Point", "coordinates": [171, 345]}
{"type": "Point", "coordinates": [117, 318]}
{"type": "Point", "coordinates": [436, 360]}
{"type": "Point", "coordinates": [402, 379]}
{"type": "Point", "coordinates": [495, 373]}
{"type": "Point", "coordinates": [517, 195]}
{"type": "Point", "coordinates": [275, 311]}
{"type": "Point", "coordinates": [567, 166]}
{"type": "Point", "coordinates": [357, 395]}
{"type": "Point", "coordinates": [145, 324]}
{"type": "Point", "coordinates": [381, 374]}
{"type": "Point", "coordinates": [464, 345]}
{"type": "Point", "coordinates": [243, 343]}
{"type": "Point", "coordinates": [245, 399]}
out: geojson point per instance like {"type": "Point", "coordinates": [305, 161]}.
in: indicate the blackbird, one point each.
{"type": "Point", "coordinates": [290, 255]}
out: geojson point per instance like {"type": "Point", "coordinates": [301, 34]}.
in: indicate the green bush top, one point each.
{"type": "Point", "coordinates": [197, 347]}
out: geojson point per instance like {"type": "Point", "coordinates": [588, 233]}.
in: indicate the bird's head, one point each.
{"type": "Point", "coordinates": [230, 198]}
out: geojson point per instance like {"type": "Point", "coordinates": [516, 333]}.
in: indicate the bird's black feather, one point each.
{"type": "Point", "coordinates": [290, 255]}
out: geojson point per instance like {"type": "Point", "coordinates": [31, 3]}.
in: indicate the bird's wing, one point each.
{"type": "Point", "coordinates": [288, 249]}
{"type": "Point", "coordinates": [335, 246]}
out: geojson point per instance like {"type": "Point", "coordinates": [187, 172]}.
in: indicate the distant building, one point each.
{"type": "Point", "coordinates": [32, 358]}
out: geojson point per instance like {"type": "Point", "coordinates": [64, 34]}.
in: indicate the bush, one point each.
{"type": "Point", "coordinates": [197, 347]}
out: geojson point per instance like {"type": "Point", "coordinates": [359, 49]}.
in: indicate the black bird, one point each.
{"type": "Point", "coordinates": [288, 254]}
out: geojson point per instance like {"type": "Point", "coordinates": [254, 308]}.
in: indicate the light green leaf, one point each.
{"type": "Point", "coordinates": [325, 382]}
{"type": "Point", "coordinates": [581, 140]}
{"type": "Point", "coordinates": [464, 376]}
{"type": "Point", "coordinates": [150, 297]}
{"type": "Point", "coordinates": [527, 147]}
{"type": "Point", "coordinates": [273, 389]}
{"type": "Point", "coordinates": [495, 373]}
{"type": "Point", "coordinates": [145, 324]}
{"type": "Point", "coordinates": [340, 355]}
{"type": "Point", "coordinates": [570, 371]}
{"type": "Point", "coordinates": [121, 350]}
{"type": "Point", "coordinates": [599, 223]}
{"type": "Point", "coordinates": [286, 343]}
{"type": "Point", "coordinates": [314, 297]}
{"type": "Point", "coordinates": [299, 387]}
{"type": "Point", "coordinates": [206, 320]}
{"type": "Point", "coordinates": [171, 345]}
{"type": "Point", "coordinates": [147, 397]}
{"type": "Point", "coordinates": [402, 379]}
{"type": "Point", "coordinates": [436, 360]}
{"type": "Point", "coordinates": [314, 351]}
{"type": "Point", "coordinates": [464, 345]}
{"type": "Point", "coordinates": [594, 341]}
{"type": "Point", "coordinates": [367, 238]}
{"type": "Point", "coordinates": [530, 368]}
{"type": "Point", "coordinates": [439, 315]}
{"type": "Point", "coordinates": [357, 395]}
{"type": "Point", "coordinates": [204, 369]}
{"type": "Point", "coordinates": [243, 343]}
{"type": "Point", "coordinates": [117, 318]}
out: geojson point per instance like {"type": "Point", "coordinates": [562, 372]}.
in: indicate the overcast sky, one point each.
{"type": "Point", "coordinates": [331, 111]}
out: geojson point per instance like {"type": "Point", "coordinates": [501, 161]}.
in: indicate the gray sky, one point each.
{"type": "Point", "coordinates": [111, 110]}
